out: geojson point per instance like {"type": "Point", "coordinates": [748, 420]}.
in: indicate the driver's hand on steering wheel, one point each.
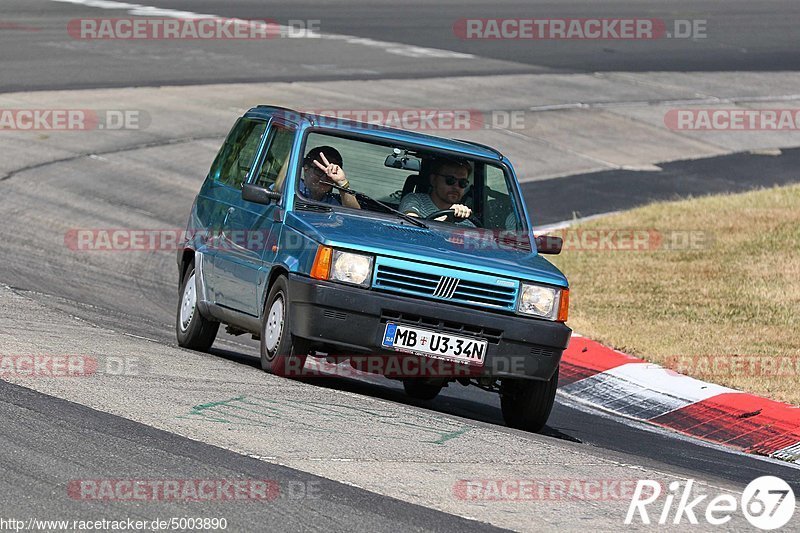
{"type": "Point", "coordinates": [461, 211]}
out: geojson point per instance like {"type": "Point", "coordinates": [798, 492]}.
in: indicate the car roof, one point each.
{"type": "Point", "coordinates": [384, 132]}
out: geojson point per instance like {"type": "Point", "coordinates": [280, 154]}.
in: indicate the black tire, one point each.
{"type": "Point", "coordinates": [194, 331]}
{"type": "Point", "coordinates": [282, 354]}
{"type": "Point", "coordinates": [526, 404]}
{"type": "Point", "coordinates": [422, 389]}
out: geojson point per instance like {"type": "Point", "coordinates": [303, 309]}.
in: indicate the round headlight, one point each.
{"type": "Point", "coordinates": [351, 268]}
{"type": "Point", "coordinates": [537, 300]}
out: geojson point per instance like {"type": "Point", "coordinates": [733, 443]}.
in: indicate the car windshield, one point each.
{"type": "Point", "coordinates": [409, 179]}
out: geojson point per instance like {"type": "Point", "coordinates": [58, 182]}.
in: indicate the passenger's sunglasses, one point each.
{"type": "Point", "coordinates": [309, 162]}
{"type": "Point", "coordinates": [316, 171]}
{"type": "Point", "coordinates": [452, 180]}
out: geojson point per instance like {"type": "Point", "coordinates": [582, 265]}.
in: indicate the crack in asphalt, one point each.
{"type": "Point", "coordinates": [140, 146]}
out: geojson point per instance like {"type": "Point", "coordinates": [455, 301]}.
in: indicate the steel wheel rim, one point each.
{"type": "Point", "coordinates": [188, 303]}
{"type": "Point", "coordinates": [274, 325]}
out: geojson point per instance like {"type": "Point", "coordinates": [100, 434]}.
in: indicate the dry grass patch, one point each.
{"type": "Point", "coordinates": [724, 311]}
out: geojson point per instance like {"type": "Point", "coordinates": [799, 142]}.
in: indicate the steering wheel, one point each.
{"type": "Point", "coordinates": [451, 217]}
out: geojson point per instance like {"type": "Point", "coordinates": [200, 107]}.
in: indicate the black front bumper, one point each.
{"type": "Point", "coordinates": [354, 320]}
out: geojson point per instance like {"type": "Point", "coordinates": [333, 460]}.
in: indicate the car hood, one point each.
{"type": "Point", "coordinates": [503, 253]}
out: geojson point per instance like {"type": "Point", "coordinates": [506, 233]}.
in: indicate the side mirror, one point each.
{"type": "Point", "coordinates": [259, 195]}
{"type": "Point", "coordinates": [549, 244]}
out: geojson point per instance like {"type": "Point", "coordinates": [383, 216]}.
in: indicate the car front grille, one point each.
{"type": "Point", "coordinates": [451, 286]}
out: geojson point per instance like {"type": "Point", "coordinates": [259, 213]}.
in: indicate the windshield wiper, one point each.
{"type": "Point", "coordinates": [414, 220]}
{"type": "Point", "coordinates": [306, 206]}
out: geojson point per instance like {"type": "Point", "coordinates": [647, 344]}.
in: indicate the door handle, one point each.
{"type": "Point", "coordinates": [227, 214]}
{"type": "Point", "coordinates": [224, 222]}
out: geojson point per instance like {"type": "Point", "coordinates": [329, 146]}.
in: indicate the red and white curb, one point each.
{"type": "Point", "coordinates": [619, 383]}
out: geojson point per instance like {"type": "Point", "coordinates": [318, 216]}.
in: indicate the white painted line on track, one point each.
{"type": "Point", "coordinates": [567, 223]}
{"type": "Point", "coordinates": [789, 453]}
{"type": "Point", "coordinates": [400, 49]}
{"type": "Point", "coordinates": [622, 397]}
{"type": "Point", "coordinates": [654, 377]}
{"type": "Point", "coordinates": [711, 100]}
{"type": "Point", "coordinates": [643, 390]}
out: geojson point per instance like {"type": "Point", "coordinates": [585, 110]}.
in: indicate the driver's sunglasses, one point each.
{"type": "Point", "coordinates": [463, 183]}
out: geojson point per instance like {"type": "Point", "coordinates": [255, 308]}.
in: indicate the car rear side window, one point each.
{"type": "Point", "coordinates": [235, 158]}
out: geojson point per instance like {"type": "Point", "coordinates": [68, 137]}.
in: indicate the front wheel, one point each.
{"type": "Point", "coordinates": [194, 331]}
{"type": "Point", "coordinates": [526, 404]}
{"type": "Point", "coordinates": [281, 353]}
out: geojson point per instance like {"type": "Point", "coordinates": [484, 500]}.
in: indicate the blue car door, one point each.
{"type": "Point", "coordinates": [250, 229]}
{"type": "Point", "coordinates": [233, 164]}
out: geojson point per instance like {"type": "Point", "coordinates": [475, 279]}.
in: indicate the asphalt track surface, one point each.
{"type": "Point", "coordinates": [740, 35]}
{"type": "Point", "coordinates": [556, 200]}
{"type": "Point", "coordinates": [62, 434]}
{"type": "Point", "coordinates": [64, 437]}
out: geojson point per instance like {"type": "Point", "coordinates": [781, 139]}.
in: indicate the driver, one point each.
{"type": "Point", "coordinates": [449, 182]}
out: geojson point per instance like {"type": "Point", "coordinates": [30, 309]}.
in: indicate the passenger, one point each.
{"type": "Point", "coordinates": [324, 163]}
{"type": "Point", "coordinates": [449, 180]}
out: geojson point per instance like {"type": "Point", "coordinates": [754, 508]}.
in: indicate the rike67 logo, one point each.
{"type": "Point", "coordinates": [767, 502]}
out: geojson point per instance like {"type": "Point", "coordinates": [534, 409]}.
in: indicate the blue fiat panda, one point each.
{"type": "Point", "coordinates": [324, 237]}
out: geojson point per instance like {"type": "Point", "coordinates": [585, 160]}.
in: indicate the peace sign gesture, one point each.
{"type": "Point", "coordinates": [334, 172]}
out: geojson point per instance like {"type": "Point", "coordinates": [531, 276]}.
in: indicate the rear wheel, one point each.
{"type": "Point", "coordinates": [193, 330]}
{"type": "Point", "coordinates": [281, 353]}
{"type": "Point", "coordinates": [526, 404]}
{"type": "Point", "coordinates": [422, 389]}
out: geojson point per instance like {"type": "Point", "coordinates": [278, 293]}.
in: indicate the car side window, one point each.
{"type": "Point", "coordinates": [500, 212]}
{"type": "Point", "coordinates": [273, 170]}
{"type": "Point", "coordinates": [235, 158]}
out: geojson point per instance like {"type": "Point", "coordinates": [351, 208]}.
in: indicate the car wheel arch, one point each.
{"type": "Point", "coordinates": [186, 260]}
{"type": "Point", "coordinates": [275, 272]}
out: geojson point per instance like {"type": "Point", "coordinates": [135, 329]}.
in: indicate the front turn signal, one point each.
{"type": "Point", "coordinates": [563, 306]}
{"type": "Point", "coordinates": [322, 263]}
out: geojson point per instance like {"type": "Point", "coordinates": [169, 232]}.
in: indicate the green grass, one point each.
{"type": "Point", "coordinates": [737, 295]}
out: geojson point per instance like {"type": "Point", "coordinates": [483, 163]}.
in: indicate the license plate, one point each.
{"type": "Point", "coordinates": [435, 344]}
